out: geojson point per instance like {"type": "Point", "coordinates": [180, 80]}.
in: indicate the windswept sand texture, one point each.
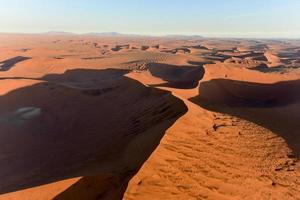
{"type": "Point", "coordinates": [137, 118]}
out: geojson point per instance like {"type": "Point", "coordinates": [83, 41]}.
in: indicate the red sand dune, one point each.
{"type": "Point", "coordinates": [99, 117]}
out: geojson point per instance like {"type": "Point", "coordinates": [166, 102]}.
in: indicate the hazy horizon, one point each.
{"type": "Point", "coordinates": [58, 32]}
{"type": "Point", "coordinates": [216, 18]}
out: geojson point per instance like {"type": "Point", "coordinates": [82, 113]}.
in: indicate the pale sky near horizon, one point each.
{"type": "Point", "coordinates": [223, 18]}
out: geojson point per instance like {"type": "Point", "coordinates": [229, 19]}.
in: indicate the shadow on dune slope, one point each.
{"type": "Point", "coordinates": [9, 63]}
{"type": "Point", "coordinates": [181, 77]}
{"type": "Point", "coordinates": [96, 124]}
{"type": "Point", "coordinates": [94, 188]}
{"type": "Point", "coordinates": [265, 69]}
{"type": "Point", "coordinates": [273, 106]}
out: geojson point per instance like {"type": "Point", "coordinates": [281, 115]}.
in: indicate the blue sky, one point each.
{"type": "Point", "coordinates": [232, 18]}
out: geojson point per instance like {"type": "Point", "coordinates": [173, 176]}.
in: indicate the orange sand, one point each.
{"type": "Point", "coordinates": [86, 117]}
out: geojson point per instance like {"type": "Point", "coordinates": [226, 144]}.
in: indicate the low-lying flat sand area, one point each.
{"type": "Point", "coordinates": [138, 118]}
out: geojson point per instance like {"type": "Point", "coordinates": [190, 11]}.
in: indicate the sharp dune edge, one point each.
{"type": "Point", "coordinates": [99, 117]}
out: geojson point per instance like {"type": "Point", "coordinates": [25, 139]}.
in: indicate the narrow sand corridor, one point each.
{"type": "Point", "coordinates": [208, 155]}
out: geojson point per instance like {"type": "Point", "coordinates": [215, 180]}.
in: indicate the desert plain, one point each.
{"type": "Point", "coordinates": [145, 118]}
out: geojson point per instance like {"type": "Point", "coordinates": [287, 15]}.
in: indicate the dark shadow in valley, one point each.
{"type": "Point", "coordinates": [214, 56]}
{"type": "Point", "coordinates": [273, 106]}
{"type": "Point", "coordinates": [9, 63]}
{"type": "Point", "coordinates": [83, 123]}
{"type": "Point", "coordinates": [181, 77]}
{"type": "Point", "coordinates": [265, 69]}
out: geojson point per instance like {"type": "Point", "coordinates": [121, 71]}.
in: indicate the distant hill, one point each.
{"type": "Point", "coordinates": [184, 36]}
{"type": "Point", "coordinates": [104, 34]}
{"type": "Point", "coordinates": [111, 34]}
{"type": "Point", "coordinates": [58, 33]}
{"type": "Point", "coordinates": [116, 34]}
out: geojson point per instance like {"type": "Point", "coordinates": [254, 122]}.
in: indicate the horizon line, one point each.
{"type": "Point", "coordinates": [116, 34]}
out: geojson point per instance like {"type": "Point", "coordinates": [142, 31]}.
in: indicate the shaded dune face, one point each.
{"type": "Point", "coordinates": [273, 106]}
{"type": "Point", "coordinates": [72, 125]}
{"type": "Point", "coordinates": [182, 77]}
{"type": "Point", "coordinates": [9, 63]}
{"type": "Point", "coordinates": [93, 187]}
{"type": "Point", "coordinates": [266, 69]}
{"type": "Point", "coordinates": [237, 93]}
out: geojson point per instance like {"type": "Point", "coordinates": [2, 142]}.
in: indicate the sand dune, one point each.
{"type": "Point", "coordinates": [120, 47]}
{"type": "Point", "coordinates": [144, 48]}
{"type": "Point", "coordinates": [272, 59]}
{"type": "Point", "coordinates": [102, 117]}
{"type": "Point", "coordinates": [177, 76]}
{"type": "Point", "coordinates": [67, 110]}
{"type": "Point", "coordinates": [237, 93]}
